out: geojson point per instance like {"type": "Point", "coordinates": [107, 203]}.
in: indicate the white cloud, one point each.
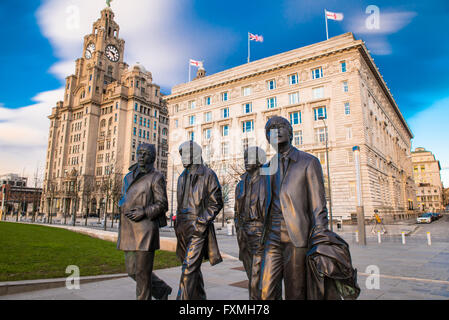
{"type": "Point", "coordinates": [389, 22]}
{"type": "Point", "coordinates": [156, 34]}
{"type": "Point", "coordinates": [375, 34]}
{"type": "Point", "coordinates": [430, 129]}
{"type": "Point", "coordinates": [24, 133]}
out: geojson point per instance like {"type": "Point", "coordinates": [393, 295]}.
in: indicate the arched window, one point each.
{"type": "Point", "coordinates": [110, 121]}
{"type": "Point", "coordinates": [103, 123]}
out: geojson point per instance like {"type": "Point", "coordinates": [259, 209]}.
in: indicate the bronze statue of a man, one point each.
{"type": "Point", "coordinates": [199, 201]}
{"type": "Point", "coordinates": [142, 212]}
{"type": "Point", "coordinates": [252, 200]}
{"type": "Point", "coordinates": [298, 205]}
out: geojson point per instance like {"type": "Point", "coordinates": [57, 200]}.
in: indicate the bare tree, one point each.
{"type": "Point", "coordinates": [116, 195]}
{"type": "Point", "coordinates": [51, 192]}
{"type": "Point", "coordinates": [87, 194]}
{"type": "Point", "coordinates": [110, 184]}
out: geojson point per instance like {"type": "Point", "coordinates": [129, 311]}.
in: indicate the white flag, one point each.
{"type": "Point", "coordinates": [334, 16]}
{"type": "Point", "coordinates": [196, 63]}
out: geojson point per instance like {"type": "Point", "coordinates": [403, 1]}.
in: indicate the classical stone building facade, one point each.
{"type": "Point", "coordinates": [426, 171]}
{"type": "Point", "coordinates": [336, 80]}
{"type": "Point", "coordinates": [108, 109]}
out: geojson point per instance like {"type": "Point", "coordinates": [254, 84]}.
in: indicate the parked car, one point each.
{"type": "Point", "coordinates": [436, 215]}
{"type": "Point", "coordinates": [425, 218]}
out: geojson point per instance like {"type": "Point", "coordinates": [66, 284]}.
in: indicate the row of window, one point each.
{"type": "Point", "coordinates": [320, 113]}
{"type": "Point", "coordinates": [144, 134]}
{"type": "Point", "coordinates": [248, 126]}
{"type": "Point", "coordinates": [293, 79]}
{"type": "Point", "coordinates": [145, 122]}
{"type": "Point", "coordinates": [144, 110]}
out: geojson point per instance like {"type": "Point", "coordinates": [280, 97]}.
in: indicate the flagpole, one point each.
{"type": "Point", "coordinates": [327, 31]}
{"type": "Point", "coordinates": [249, 50]}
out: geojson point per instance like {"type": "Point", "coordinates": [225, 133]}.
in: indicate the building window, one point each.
{"type": "Point", "coordinates": [115, 117]}
{"type": "Point", "coordinates": [225, 113]}
{"type": "Point", "coordinates": [225, 130]}
{"type": "Point", "coordinates": [176, 123]}
{"type": "Point", "coordinates": [176, 108]}
{"type": "Point", "coordinates": [320, 135]}
{"type": "Point", "coordinates": [247, 108]}
{"type": "Point", "coordinates": [136, 107]}
{"type": "Point", "coordinates": [246, 91]}
{"type": "Point", "coordinates": [348, 133]}
{"type": "Point", "coordinates": [191, 120]}
{"type": "Point", "coordinates": [224, 96]}
{"type": "Point", "coordinates": [248, 126]}
{"type": "Point", "coordinates": [320, 112]}
{"type": "Point", "coordinates": [345, 86]}
{"type": "Point", "coordinates": [208, 116]}
{"type": "Point", "coordinates": [318, 93]}
{"type": "Point", "coordinates": [191, 135]}
{"type": "Point", "coordinates": [293, 98]}
{"type": "Point", "coordinates": [148, 135]}
{"type": "Point", "coordinates": [297, 138]}
{"type": "Point", "coordinates": [295, 117]}
{"type": "Point", "coordinates": [155, 125]}
{"type": "Point", "coordinates": [293, 79]}
{"type": "Point", "coordinates": [207, 133]}
{"type": "Point", "coordinates": [208, 101]}
{"type": "Point", "coordinates": [271, 84]}
{"type": "Point", "coordinates": [140, 133]}
{"type": "Point", "coordinates": [317, 73]}
{"type": "Point", "coordinates": [192, 104]}
{"type": "Point", "coordinates": [225, 149]}
{"type": "Point", "coordinates": [347, 108]}
{"type": "Point", "coordinates": [271, 102]}
{"type": "Point", "coordinates": [343, 66]}
{"type": "Point", "coordinates": [145, 122]}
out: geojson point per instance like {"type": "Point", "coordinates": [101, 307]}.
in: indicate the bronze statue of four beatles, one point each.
{"type": "Point", "coordinates": [280, 218]}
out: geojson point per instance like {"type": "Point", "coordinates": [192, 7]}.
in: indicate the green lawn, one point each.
{"type": "Point", "coordinates": [37, 252]}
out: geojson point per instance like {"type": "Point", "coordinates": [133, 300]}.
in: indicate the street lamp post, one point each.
{"type": "Point", "coordinates": [360, 209]}
{"type": "Point", "coordinates": [172, 186]}
{"type": "Point", "coordinates": [328, 173]}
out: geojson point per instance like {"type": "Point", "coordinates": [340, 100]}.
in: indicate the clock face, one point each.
{"type": "Point", "coordinates": [90, 51]}
{"type": "Point", "coordinates": [112, 53]}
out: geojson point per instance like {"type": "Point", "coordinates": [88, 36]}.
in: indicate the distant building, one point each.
{"type": "Point", "coordinates": [335, 79]}
{"type": "Point", "coordinates": [108, 109]}
{"type": "Point", "coordinates": [17, 196]}
{"type": "Point", "coordinates": [13, 180]}
{"type": "Point", "coordinates": [446, 198]}
{"type": "Point", "coordinates": [426, 172]}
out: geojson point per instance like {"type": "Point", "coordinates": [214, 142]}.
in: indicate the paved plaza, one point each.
{"type": "Point", "coordinates": [414, 270]}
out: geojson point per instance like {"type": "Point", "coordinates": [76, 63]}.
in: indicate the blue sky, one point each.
{"type": "Point", "coordinates": [41, 41]}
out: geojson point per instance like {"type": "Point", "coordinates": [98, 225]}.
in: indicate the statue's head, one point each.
{"type": "Point", "coordinates": [146, 155]}
{"type": "Point", "coordinates": [190, 153]}
{"type": "Point", "coordinates": [283, 130]}
{"type": "Point", "coordinates": [254, 158]}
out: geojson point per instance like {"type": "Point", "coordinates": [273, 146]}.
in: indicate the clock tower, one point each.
{"type": "Point", "coordinates": [108, 109]}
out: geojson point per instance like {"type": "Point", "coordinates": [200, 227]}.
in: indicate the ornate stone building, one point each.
{"type": "Point", "coordinates": [426, 171]}
{"type": "Point", "coordinates": [336, 80]}
{"type": "Point", "coordinates": [108, 109]}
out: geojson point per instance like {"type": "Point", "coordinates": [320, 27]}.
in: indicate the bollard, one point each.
{"type": "Point", "coordinates": [403, 237]}
{"type": "Point", "coordinates": [357, 236]}
{"type": "Point", "coordinates": [378, 237]}
{"type": "Point", "coordinates": [429, 239]}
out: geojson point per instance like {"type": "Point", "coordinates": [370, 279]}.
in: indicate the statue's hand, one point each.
{"type": "Point", "coordinates": [135, 214]}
